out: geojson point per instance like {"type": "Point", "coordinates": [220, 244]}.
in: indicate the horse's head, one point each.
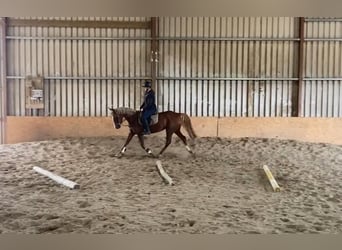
{"type": "Point", "coordinates": [117, 118]}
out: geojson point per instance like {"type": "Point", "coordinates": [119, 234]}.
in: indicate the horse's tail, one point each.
{"type": "Point", "coordinates": [186, 123]}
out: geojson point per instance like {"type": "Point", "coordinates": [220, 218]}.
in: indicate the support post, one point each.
{"type": "Point", "coordinates": [154, 50]}
{"type": "Point", "coordinates": [3, 80]}
{"type": "Point", "coordinates": [298, 88]}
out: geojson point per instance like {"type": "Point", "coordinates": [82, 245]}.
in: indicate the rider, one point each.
{"type": "Point", "coordinates": [148, 108]}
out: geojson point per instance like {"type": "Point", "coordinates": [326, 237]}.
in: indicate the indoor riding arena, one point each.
{"type": "Point", "coordinates": [263, 94]}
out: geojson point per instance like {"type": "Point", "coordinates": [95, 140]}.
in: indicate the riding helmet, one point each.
{"type": "Point", "coordinates": [147, 84]}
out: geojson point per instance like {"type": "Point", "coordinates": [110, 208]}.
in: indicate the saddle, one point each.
{"type": "Point", "coordinates": [152, 120]}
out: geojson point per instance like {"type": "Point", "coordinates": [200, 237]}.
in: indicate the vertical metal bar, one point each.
{"type": "Point", "coordinates": [162, 63]}
{"type": "Point", "coordinates": [238, 89]}
{"type": "Point", "coordinates": [12, 51]}
{"type": "Point", "coordinates": [284, 88]}
{"type": "Point", "coordinates": [169, 64]}
{"type": "Point", "coordinates": [109, 63]}
{"type": "Point", "coordinates": [273, 87]}
{"type": "Point", "coordinates": [250, 97]}
{"type": "Point", "coordinates": [208, 69]}
{"type": "Point", "coordinates": [90, 95]}
{"type": "Point", "coordinates": [232, 83]}
{"type": "Point", "coordinates": [98, 65]}
{"type": "Point", "coordinates": [329, 67]}
{"type": "Point", "coordinates": [26, 71]}
{"type": "Point", "coordinates": [174, 67]}
{"type": "Point", "coordinates": [63, 71]}
{"type": "Point", "coordinates": [216, 70]}
{"type": "Point", "coordinates": [184, 68]}
{"type": "Point", "coordinates": [3, 81]}
{"type": "Point", "coordinates": [202, 67]}
{"type": "Point", "coordinates": [337, 72]}
{"type": "Point", "coordinates": [289, 68]}
{"type": "Point", "coordinates": [39, 66]}
{"type": "Point", "coordinates": [103, 72]}
{"type": "Point", "coordinates": [180, 67]}
{"type": "Point", "coordinates": [79, 88]}
{"type": "Point", "coordinates": [116, 63]}
{"type": "Point", "coordinates": [259, 110]}
{"type": "Point", "coordinates": [278, 106]}
{"type": "Point", "coordinates": [112, 68]}
{"type": "Point", "coordinates": [120, 65]}
{"type": "Point", "coordinates": [262, 65]}
{"type": "Point", "coordinates": [129, 69]}
{"type": "Point", "coordinates": [123, 60]}
{"type": "Point", "coordinates": [57, 68]}
{"type": "Point", "coordinates": [219, 44]}
{"type": "Point", "coordinates": [190, 65]}
{"type": "Point", "coordinates": [334, 63]}
{"type": "Point", "coordinates": [297, 89]}
{"type": "Point", "coordinates": [225, 70]}
{"type": "Point", "coordinates": [44, 68]}
{"type": "Point", "coordinates": [74, 88]}
{"type": "Point", "coordinates": [312, 99]}
{"type": "Point", "coordinates": [49, 68]}
{"type": "Point", "coordinates": [339, 114]}
{"type": "Point", "coordinates": [87, 72]}
{"type": "Point", "coordinates": [244, 87]}
{"type": "Point", "coordinates": [211, 87]}
{"type": "Point", "coordinates": [323, 83]}
{"type": "Point", "coordinates": [52, 84]}
{"type": "Point", "coordinates": [154, 50]}
{"type": "Point", "coordinates": [268, 62]}
{"type": "Point", "coordinates": [32, 64]}
{"type": "Point", "coordinates": [198, 63]}
{"type": "Point", "coordinates": [316, 68]}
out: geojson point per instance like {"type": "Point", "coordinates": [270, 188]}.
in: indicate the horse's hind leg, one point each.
{"type": "Point", "coordinates": [168, 141]}
{"type": "Point", "coordinates": [183, 138]}
{"type": "Point", "coordinates": [142, 144]}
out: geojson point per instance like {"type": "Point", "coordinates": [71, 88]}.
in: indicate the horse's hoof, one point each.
{"type": "Point", "coordinates": [119, 155]}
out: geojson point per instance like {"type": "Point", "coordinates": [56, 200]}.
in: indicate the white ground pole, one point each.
{"type": "Point", "coordinates": [270, 177]}
{"type": "Point", "coordinates": [163, 173]}
{"type": "Point", "coordinates": [57, 178]}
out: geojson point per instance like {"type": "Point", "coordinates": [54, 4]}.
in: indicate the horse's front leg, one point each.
{"type": "Point", "coordinates": [123, 149]}
{"type": "Point", "coordinates": [142, 143]}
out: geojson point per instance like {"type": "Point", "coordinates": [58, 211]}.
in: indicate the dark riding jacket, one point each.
{"type": "Point", "coordinates": [149, 102]}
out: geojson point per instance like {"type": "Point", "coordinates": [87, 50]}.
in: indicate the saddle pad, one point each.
{"type": "Point", "coordinates": [153, 119]}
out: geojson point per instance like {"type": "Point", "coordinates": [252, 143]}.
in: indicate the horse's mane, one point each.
{"type": "Point", "coordinates": [125, 111]}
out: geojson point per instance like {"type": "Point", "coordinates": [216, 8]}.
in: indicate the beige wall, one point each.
{"type": "Point", "coordinates": [327, 130]}
{"type": "Point", "coordinates": [23, 129]}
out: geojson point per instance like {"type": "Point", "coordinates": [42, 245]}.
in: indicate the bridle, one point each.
{"type": "Point", "coordinates": [117, 123]}
{"type": "Point", "coordinates": [116, 120]}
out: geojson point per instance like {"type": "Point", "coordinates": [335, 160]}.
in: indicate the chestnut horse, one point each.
{"type": "Point", "coordinates": [169, 120]}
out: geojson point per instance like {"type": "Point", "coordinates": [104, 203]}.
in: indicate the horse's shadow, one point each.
{"type": "Point", "coordinates": [142, 156]}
